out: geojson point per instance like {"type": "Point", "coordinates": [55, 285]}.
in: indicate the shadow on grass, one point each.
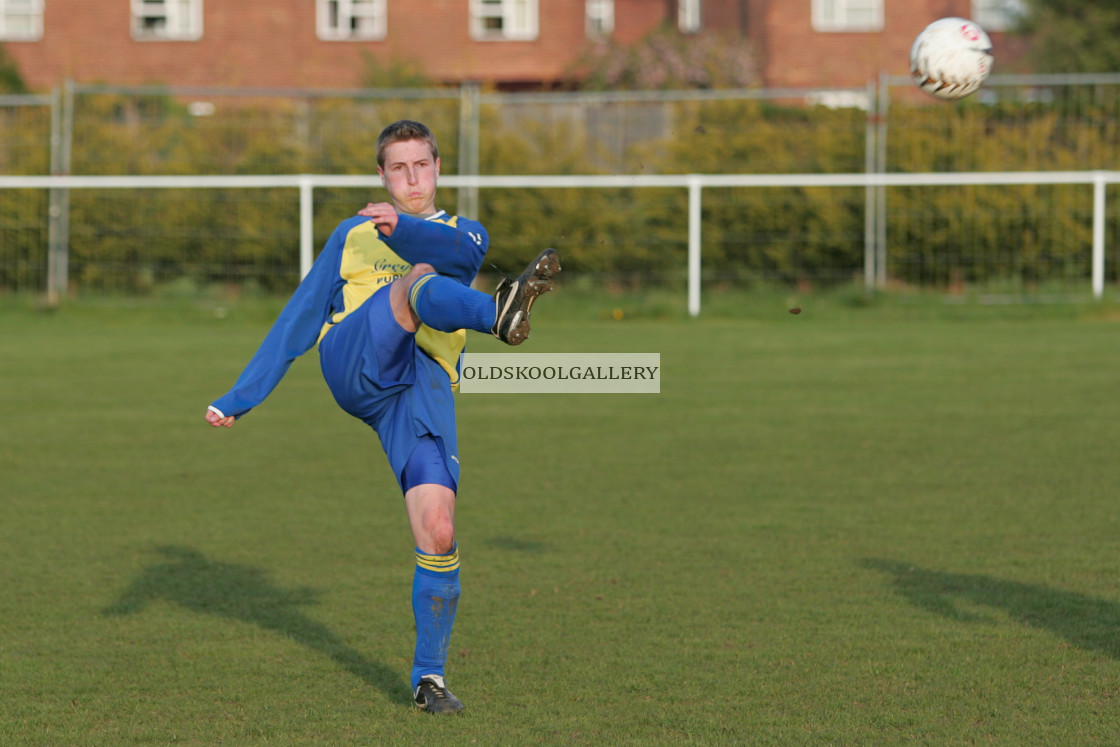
{"type": "Point", "coordinates": [238, 592]}
{"type": "Point", "coordinates": [516, 544]}
{"type": "Point", "coordinates": [1085, 622]}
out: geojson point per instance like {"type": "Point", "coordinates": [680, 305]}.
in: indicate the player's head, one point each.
{"type": "Point", "coordinates": [408, 164]}
{"type": "Point", "coordinates": [405, 129]}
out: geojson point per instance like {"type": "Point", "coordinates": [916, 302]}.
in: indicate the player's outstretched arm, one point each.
{"type": "Point", "coordinates": [294, 332]}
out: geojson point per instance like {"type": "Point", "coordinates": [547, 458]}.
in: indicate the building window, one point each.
{"type": "Point", "coordinates": [339, 20]}
{"type": "Point", "coordinates": [167, 20]}
{"type": "Point", "coordinates": [21, 20]}
{"type": "Point", "coordinates": [847, 15]}
{"type": "Point", "coordinates": [507, 20]}
{"type": "Point", "coordinates": [599, 18]}
{"type": "Point", "coordinates": [998, 15]}
{"type": "Point", "coordinates": [688, 16]}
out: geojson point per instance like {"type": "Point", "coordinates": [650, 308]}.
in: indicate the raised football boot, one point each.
{"type": "Point", "coordinates": [514, 297]}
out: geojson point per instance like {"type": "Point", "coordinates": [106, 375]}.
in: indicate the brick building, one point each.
{"type": "Point", "coordinates": [849, 42]}
{"type": "Point", "coordinates": [506, 43]}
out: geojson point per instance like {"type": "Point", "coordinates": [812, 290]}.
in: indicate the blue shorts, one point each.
{"type": "Point", "coordinates": [377, 373]}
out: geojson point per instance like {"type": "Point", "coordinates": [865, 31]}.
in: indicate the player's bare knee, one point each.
{"type": "Point", "coordinates": [419, 270]}
{"type": "Point", "coordinates": [442, 538]}
{"type": "Point", "coordinates": [414, 273]}
{"type": "Point", "coordinates": [406, 281]}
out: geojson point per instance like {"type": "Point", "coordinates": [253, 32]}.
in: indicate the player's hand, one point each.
{"type": "Point", "coordinates": [218, 421]}
{"type": "Point", "coordinates": [383, 215]}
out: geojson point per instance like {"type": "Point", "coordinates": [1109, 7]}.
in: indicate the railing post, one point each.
{"type": "Point", "coordinates": [306, 225]}
{"type": "Point", "coordinates": [1098, 234]}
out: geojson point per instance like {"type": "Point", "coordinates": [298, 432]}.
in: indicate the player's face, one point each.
{"type": "Point", "coordinates": [410, 174]}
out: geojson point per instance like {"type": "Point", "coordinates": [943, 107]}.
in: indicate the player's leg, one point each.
{"type": "Point", "coordinates": [443, 303]}
{"type": "Point", "coordinates": [371, 366]}
{"type": "Point", "coordinates": [366, 358]}
{"type": "Point", "coordinates": [446, 305]}
{"type": "Point", "coordinates": [430, 501]}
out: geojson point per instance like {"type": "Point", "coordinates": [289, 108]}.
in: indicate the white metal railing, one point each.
{"type": "Point", "coordinates": [694, 183]}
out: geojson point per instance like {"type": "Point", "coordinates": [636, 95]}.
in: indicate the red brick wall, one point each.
{"type": "Point", "coordinates": [273, 43]}
{"type": "Point", "coordinates": [253, 42]}
{"type": "Point", "coordinates": [633, 19]}
{"type": "Point", "coordinates": [798, 56]}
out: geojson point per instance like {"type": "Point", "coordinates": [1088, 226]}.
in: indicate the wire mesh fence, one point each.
{"type": "Point", "coordinates": [1022, 239]}
{"type": "Point", "coordinates": [25, 148]}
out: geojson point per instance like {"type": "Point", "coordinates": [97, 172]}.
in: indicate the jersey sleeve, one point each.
{"type": "Point", "coordinates": [293, 333]}
{"type": "Point", "coordinates": [454, 250]}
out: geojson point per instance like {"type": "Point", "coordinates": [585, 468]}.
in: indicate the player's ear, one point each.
{"type": "Point", "coordinates": [381, 174]}
{"type": "Point", "coordinates": [437, 167]}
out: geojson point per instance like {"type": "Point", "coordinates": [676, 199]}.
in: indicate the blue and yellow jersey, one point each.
{"type": "Point", "coordinates": [355, 263]}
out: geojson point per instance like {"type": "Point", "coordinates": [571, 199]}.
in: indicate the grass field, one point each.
{"type": "Point", "coordinates": [867, 524]}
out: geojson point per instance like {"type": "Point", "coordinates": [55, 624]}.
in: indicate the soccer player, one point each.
{"type": "Point", "coordinates": [388, 301]}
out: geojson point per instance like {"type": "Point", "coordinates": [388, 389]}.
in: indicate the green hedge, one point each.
{"type": "Point", "coordinates": [136, 240]}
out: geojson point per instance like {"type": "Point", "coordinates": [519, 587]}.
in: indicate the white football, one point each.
{"type": "Point", "coordinates": [951, 58]}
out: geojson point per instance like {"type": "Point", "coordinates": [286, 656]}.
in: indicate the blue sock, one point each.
{"type": "Point", "coordinates": [447, 305]}
{"type": "Point", "coordinates": [435, 597]}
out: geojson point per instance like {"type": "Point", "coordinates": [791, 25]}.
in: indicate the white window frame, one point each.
{"type": "Point", "coordinates": [843, 15]}
{"type": "Point", "coordinates": [599, 18]}
{"type": "Point", "coordinates": [26, 10]}
{"type": "Point", "coordinates": [688, 16]}
{"type": "Point", "coordinates": [182, 20]}
{"type": "Point", "coordinates": [998, 15]}
{"type": "Point", "coordinates": [351, 20]}
{"type": "Point", "coordinates": [517, 20]}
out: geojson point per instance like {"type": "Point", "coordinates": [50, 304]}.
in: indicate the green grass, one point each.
{"type": "Point", "coordinates": [878, 522]}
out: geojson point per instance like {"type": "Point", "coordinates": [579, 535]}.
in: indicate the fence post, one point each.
{"type": "Point", "coordinates": [881, 190]}
{"type": "Point", "coordinates": [469, 147]}
{"type": "Point", "coordinates": [1098, 234]}
{"type": "Point", "coordinates": [694, 187]}
{"type": "Point", "coordinates": [58, 219]}
{"type": "Point", "coordinates": [870, 160]}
